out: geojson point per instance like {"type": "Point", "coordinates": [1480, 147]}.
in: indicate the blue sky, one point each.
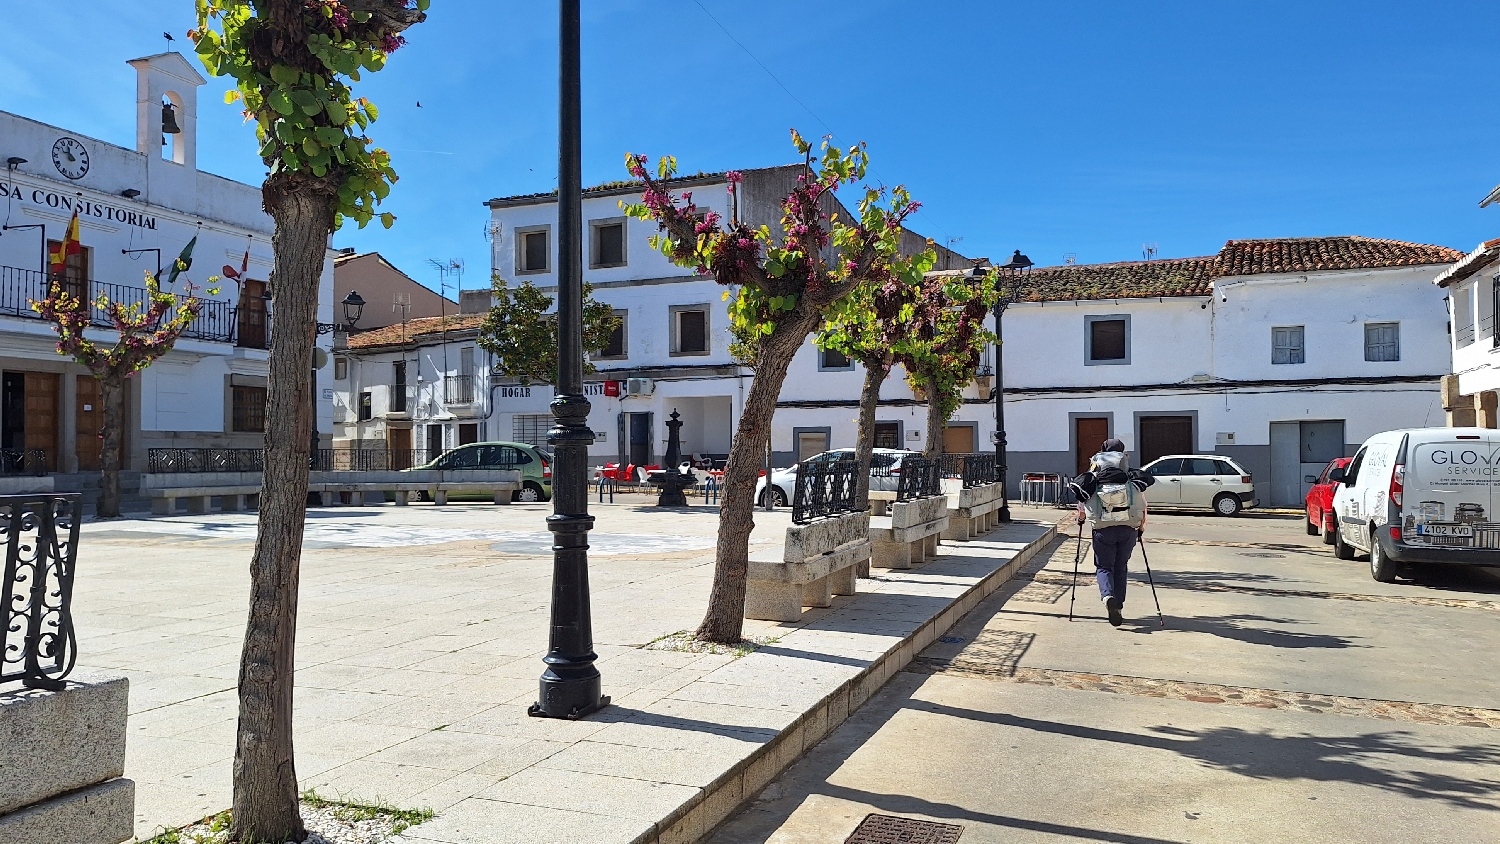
{"type": "Point", "coordinates": [1087, 128]}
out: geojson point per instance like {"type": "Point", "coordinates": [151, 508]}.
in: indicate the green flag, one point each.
{"type": "Point", "coordinates": [183, 262]}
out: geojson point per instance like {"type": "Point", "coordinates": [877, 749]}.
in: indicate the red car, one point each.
{"type": "Point", "coordinates": [1320, 516]}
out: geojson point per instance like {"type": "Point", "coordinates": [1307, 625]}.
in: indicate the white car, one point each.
{"type": "Point", "coordinates": [1200, 481]}
{"type": "Point", "coordinates": [1425, 495]}
{"type": "Point", "coordinates": [885, 473]}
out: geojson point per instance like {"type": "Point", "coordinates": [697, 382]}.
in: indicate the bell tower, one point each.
{"type": "Point", "coordinates": [166, 99]}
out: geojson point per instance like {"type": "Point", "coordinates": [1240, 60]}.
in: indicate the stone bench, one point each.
{"type": "Point", "coordinates": [241, 490]}
{"type": "Point", "coordinates": [818, 560]}
{"type": "Point", "coordinates": [910, 533]}
{"type": "Point", "coordinates": [973, 511]}
{"type": "Point", "coordinates": [62, 763]}
{"type": "Point", "coordinates": [881, 501]}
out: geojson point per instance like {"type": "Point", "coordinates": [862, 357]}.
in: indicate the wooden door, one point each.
{"type": "Point", "coordinates": [250, 315]}
{"type": "Point", "coordinates": [398, 441]}
{"type": "Point", "coordinates": [89, 414]}
{"type": "Point", "coordinates": [1088, 435]}
{"type": "Point", "coordinates": [42, 393]}
{"type": "Point", "coordinates": [1165, 435]}
{"type": "Point", "coordinates": [958, 439]}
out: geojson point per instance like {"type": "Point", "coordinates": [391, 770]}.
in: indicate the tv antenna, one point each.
{"type": "Point", "coordinates": [1070, 258]}
{"type": "Point", "coordinates": [491, 231]}
{"type": "Point", "coordinates": [1150, 250]}
{"type": "Point", "coordinates": [949, 244]}
{"type": "Point", "coordinates": [452, 267]}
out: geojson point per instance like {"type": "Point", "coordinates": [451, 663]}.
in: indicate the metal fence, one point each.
{"type": "Point", "coordinates": [23, 461]}
{"type": "Point", "coordinates": [920, 477]}
{"type": "Point", "coordinates": [823, 489]}
{"type": "Point", "coordinates": [159, 460]}
{"type": "Point", "coordinates": [973, 469]}
{"type": "Point", "coordinates": [253, 459]}
{"type": "Point", "coordinates": [37, 645]}
{"type": "Point", "coordinates": [20, 287]}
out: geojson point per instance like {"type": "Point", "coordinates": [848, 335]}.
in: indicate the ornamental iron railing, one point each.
{"type": "Point", "coordinates": [20, 287]}
{"type": "Point", "coordinates": [163, 460]}
{"type": "Point", "coordinates": [37, 645]}
{"type": "Point", "coordinates": [973, 469]}
{"type": "Point", "coordinates": [824, 488]}
{"type": "Point", "coordinates": [921, 477]}
{"type": "Point", "coordinates": [23, 461]}
{"type": "Point", "coordinates": [458, 389]}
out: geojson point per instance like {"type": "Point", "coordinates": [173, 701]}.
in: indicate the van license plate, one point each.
{"type": "Point", "coordinates": [1446, 530]}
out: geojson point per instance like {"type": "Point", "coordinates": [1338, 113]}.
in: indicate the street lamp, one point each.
{"type": "Point", "coordinates": [354, 308]}
{"type": "Point", "coordinates": [1016, 271]}
{"type": "Point", "coordinates": [570, 686]}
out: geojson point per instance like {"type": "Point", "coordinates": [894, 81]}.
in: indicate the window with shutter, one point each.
{"type": "Point", "coordinates": [1108, 339]}
{"type": "Point", "coordinates": [691, 328]}
{"type": "Point", "coordinates": [1286, 345]}
{"type": "Point", "coordinates": [1382, 341]}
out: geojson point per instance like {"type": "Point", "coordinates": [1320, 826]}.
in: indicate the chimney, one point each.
{"type": "Point", "coordinates": [163, 80]}
{"type": "Point", "coordinates": [474, 301]}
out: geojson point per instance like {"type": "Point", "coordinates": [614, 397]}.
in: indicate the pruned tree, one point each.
{"type": "Point", "coordinates": [782, 285]}
{"type": "Point", "coordinates": [520, 330]}
{"type": "Point", "coordinates": [873, 325]}
{"type": "Point", "coordinates": [293, 62]}
{"type": "Point", "coordinates": [942, 351]}
{"type": "Point", "coordinates": [144, 331]}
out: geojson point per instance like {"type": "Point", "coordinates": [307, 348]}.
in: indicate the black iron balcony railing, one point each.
{"type": "Point", "coordinates": [40, 532]}
{"type": "Point", "coordinates": [198, 460]}
{"type": "Point", "coordinates": [458, 389]}
{"type": "Point", "coordinates": [20, 287]}
{"type": "Point", "coordinates": [23, 461]}
{"type": "Point", "coordinates": [823, 489]}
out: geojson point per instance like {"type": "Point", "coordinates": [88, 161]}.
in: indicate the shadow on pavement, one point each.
{"type": "Point", "coordinates": [1370, 759]}
{"type": "Point", "coordinates": [1241, 628]}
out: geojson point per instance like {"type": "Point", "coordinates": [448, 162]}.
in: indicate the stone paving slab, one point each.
{"type": "Point", "coordinates": [402, 644]}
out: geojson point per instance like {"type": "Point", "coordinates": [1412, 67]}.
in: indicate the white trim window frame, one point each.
{"type": "Point", "coordinates": [675, 318]}
{"type": "Point", "coordinates": [523, 236]}
{"type": "Point", "coordinates": [1088, 340]}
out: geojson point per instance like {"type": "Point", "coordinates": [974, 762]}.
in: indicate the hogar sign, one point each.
{"type": "Point", "coordinates": [85, 207]}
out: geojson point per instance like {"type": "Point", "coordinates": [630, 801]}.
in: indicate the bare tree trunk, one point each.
{"type": "Point", "coordinates": [864, 446]}
{"type": "Point", "coordinates": [935, 422]}
{"type": "Point", "coordinates": [725, 620]}
{"type": "Point", "coordinates": [112, 393]}
{"type": "Point", "coordinates": [265, 778]}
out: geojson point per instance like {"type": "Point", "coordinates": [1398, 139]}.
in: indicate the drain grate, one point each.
{"type": "Point", "coordinates": [889, 829]}
{"type": "Point", "coordinates": [1259, 554]}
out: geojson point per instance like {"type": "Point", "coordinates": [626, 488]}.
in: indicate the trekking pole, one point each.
{"type": "Point", "coordinates": [1078, 552]}
{"type": "Point", "coordinates": [1151, 580]}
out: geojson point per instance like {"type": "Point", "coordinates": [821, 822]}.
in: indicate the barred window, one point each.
{"type": "Point", "coordinates": [530, 429]}
{"type": "Point", "coordinates": [249, 414]}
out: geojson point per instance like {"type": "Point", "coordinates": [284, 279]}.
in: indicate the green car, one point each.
{"type": "Point", "coordinates": [534, 463]}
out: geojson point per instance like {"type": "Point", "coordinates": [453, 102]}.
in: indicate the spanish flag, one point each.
{"type": "Point", "coordinates": [69, 245]}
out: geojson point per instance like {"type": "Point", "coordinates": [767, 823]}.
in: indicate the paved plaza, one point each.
{"type": "Point", "coordinates": [420, 635]}
{"type": "Point", "coordinates": [1288, 697]}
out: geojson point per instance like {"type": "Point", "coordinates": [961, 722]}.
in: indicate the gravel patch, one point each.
{"type": "Point", "coordinates": [327, 822]}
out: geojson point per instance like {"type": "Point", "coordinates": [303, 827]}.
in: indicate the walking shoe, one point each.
{"type": "Point", "coordinates": [1114, 605]}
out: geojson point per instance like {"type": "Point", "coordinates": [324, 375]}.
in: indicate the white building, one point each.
{"type": "Point", "coordinates": [672, 350]}
{"type": "Point", "coordinates": [1473, 287]}
{"type": "Point", "coordinates": [1279, 353]}
{"type": "Point", "coordinates": [137, 207]}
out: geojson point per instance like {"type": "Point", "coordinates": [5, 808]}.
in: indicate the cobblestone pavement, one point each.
{"type": "Point", "coordinates": [1286, 697]}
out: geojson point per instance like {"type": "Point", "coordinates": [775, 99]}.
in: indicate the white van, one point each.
{"type": "Point", "coordinates": [1425, 495]}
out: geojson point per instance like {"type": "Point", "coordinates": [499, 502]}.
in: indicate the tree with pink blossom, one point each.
{"type": "Point", "coordinates": [143, 332]}
{"type": "Point", "coordinates": [781, 286]}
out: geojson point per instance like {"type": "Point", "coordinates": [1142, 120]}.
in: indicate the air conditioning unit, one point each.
{"type": "Point", "coordinates": [639, 386]}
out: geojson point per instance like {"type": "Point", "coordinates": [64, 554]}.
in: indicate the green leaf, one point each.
{"type": "Point", "coordinates": [388, 219]}
{"type": "Point", "coordinates": [284, 75]}
{"type": "Point", "coordinates": [280, 102]}
{"type": "Point", "coordinates": [307, 100]}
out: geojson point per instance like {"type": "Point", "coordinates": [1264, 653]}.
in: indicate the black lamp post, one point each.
{"type": "Point", "coordinates": [1011, 287]}
{"type": "Point", "coordinates": [570, 686]}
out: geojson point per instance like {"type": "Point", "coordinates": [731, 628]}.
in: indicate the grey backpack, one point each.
{"type": "Point", "coordinates": [1114, 502]}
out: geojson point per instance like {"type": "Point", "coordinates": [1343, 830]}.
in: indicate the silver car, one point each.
{"type": "Point", "coordinates": [885, 473]}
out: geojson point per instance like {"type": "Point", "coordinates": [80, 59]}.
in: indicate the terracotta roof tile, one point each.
{"type": "Point", "coordinates": [1195, 276]}
{"type": "Point", "coordinates": [416, 329]}
{"type": "Point", "coordinates": [1317, 254]}
{"type": "Point", "coordinates": [1125, 280]}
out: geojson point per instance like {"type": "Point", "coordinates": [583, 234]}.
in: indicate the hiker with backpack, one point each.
{"type": "Point", "coordinates": [1111, 498]}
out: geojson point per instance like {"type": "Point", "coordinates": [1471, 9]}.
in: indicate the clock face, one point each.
{"type": "Point", "coordinates": [70, 158]}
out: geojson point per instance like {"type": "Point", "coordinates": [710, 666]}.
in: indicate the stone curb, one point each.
{"type": "Point", "coordinates": [695, 819]}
